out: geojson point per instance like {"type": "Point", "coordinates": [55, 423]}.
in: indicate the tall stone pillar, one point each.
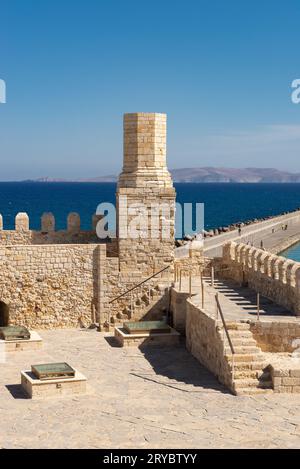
{"type": "Point", "coordinates": [145, 196]}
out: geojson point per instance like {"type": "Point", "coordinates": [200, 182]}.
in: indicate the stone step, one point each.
{"type": "Point", "coordinates": [243, 349]}
{"type": "Point", "coordinates": [252, 383]}
{"type": "Point", "coordinates": [245, 374]}
{"type": "Point", "coordinates": [251, 365]}
{"type": "Point", "coordinates": [240, 357]}
{"type": "Point", "coordinates": [238, 326]}
{"type": "Point", "coordinates": [243, 342]}
{"type": "Point", "coordinates": [260, 374]}
{"type": "Point", "coordinates": [240, 334]}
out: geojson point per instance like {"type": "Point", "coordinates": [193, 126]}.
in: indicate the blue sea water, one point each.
{"type": "Point", "coordinates": [224, 203]}
{"type": "Point", "coordinates": [292, 253]}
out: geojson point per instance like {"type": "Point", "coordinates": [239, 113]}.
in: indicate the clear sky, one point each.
{"type": "Point", "coordinates": [221, 70]}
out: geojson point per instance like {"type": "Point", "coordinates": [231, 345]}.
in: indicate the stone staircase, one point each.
{"type": "Point", "coordinates": [250, 374]}
{"type": "Point", "coordinates": [147, 304]}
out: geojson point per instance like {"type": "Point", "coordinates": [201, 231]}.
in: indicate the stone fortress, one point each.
{"type": "Point", "coordinates": [54, 279]}
{"type": "Point", "coordinates": [71, 278]}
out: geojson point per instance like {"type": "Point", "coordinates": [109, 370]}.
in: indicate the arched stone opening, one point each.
{"type": "Point", "coordinates": [4, 314]}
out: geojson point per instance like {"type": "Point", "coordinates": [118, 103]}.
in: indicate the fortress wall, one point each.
{"type": "Point", "coordinates": [64, 285]}
{"type": "Point", "coordinates": [12, 237]}
{"type": "Point", "coordinates": [23, 235]}
{"type": "Point", "coordinates": [64, 278]}
{"type": "Point", "coordinates": [50, 286]}
{"type": "Point", "coordinates": [273, 276]}
{"type": "Point", "coordinates": [204, 341]}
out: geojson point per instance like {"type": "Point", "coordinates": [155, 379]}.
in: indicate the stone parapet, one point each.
{"type": "Point", "coordinates": [273, 276]}
{"type": "Point", "coordinates": [73, 234]}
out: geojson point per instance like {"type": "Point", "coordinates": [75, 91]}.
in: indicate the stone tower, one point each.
{"type": "Point", "coordinates": [145, 196]}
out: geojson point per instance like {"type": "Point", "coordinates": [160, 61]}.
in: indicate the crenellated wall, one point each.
{"type": "Point", "coordinates": [23, 235]}
{"type": "Point", "coordinates": [274, 276]}
{"type": "Point", "coordinates": [63, 278]}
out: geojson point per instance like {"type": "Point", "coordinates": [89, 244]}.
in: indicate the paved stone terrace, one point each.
{"type": "Point", "coordinates": [158, 399]}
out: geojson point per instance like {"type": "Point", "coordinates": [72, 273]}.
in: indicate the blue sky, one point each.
{"type": "Point", "coordinates": [221, 70]}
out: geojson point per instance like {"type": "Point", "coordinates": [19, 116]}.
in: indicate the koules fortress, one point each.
{"type": "Point", "coordinates": [54, 279]}
{"type": "Point", "coordinates": [235, 301]}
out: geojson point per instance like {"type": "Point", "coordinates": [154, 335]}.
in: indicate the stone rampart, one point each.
{"type": "Point", "coordinates": [204, 341]}
{"type": "Point", "coordinates": [273, 276]}
{"type": "Point", "coordinates": [73, 234]}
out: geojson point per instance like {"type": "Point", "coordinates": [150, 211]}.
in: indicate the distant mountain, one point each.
{"type": "Point", "coordinates": [110, 178]}
{"type": "Point", "coordinates": [207, 174]}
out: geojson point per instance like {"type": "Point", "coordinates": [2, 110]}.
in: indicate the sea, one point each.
{"type": "Point", "coordinates": [292, 253]}
{"type": "Point", "coordinates": [224, 203]}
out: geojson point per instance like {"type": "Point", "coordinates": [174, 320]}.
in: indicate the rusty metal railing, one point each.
{"type": "Point", "coordinates": [138, 285]}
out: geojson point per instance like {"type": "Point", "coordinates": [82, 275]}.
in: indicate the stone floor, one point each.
{"type": "Point", "coordinates": [159, 398]}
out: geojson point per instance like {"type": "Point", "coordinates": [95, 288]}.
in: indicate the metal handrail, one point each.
{"type": "Point", "coordinates": [224, 324]}
{"type": "Point", "coordinates": [139, 284]}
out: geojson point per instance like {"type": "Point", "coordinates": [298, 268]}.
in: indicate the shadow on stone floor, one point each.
{"type": "Point", "coordinates": [112, 341]}
{"type": "Point", "coordinates": [16, 391]}
{"type": "Point", "coordinates": [179, 367]}
{"type": "Point", "coordinates": [246, 298]}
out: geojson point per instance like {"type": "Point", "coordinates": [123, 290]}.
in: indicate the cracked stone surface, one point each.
{"type": "Point", "coordinates": [156, 398]}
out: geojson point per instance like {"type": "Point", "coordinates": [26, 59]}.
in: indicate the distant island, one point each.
{"type": "Point", "coordinates": [206, 175]}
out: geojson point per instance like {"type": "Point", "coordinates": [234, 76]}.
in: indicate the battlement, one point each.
{"type": "Point", "coordinates": [274, 276]}
{"type": "Point", "coordinates": [47, 234]}
{"type": "Point", "coordinates": [22, 222]}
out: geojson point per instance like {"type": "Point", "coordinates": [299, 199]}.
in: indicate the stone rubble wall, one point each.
{"type": "Point", "coordinates": [64, 285]}
{"type": "Point", "coordinates": [50, 286]}
{"type": "Point", "coordinates": [204, 342]}
{"type": "Point", "coordinates": [273, 276]}
{"type": "Point", "coordinates": [276, 336]}
{"type": "Point", "coordinates": [285, 380]}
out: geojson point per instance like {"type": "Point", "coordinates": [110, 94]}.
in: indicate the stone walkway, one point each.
{"type": "Point", "coordinates": [161, 398]}
{"type": "Point", "coordinates": [277, 241]}
{"type": "Point", "coordinates": [238, 303]}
